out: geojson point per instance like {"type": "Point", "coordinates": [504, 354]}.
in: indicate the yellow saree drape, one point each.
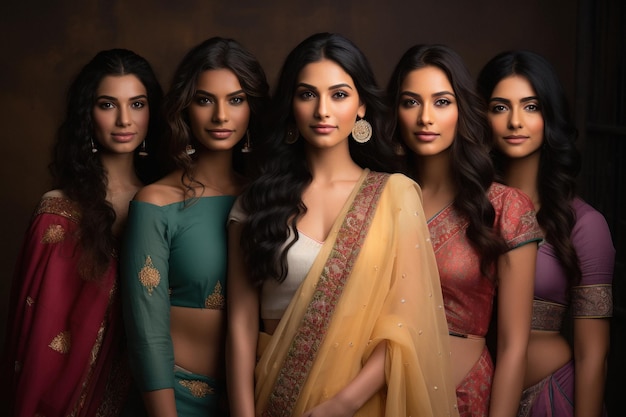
{"type": "Point", "coordinates": [392, 295]}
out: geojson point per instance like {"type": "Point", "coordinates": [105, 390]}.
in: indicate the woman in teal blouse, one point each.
{"type": "Point", "coordinates": [174, 259]}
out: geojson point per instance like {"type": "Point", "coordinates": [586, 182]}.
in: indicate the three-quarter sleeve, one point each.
{"type": "Point", "coordinates": [144, 266]}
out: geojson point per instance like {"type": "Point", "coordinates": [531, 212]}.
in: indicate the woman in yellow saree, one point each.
{"type": "Point", "coordinates": [335, 258]}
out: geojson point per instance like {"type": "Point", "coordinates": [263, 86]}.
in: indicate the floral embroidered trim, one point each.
{"type": "Point", "coordinates": [198, 389]}
{"type": "Point", "coordinates": [442, 228]}
{"type": "Point", "coordinates": [216, 300]}
{"type": "Point", "coordinates": [62, 342]}
{"type": "Point", "coordinates": [592, 301]}
{"type": "Point", "coordinates": [60, 206]}
{"type": "Point", "coordinates": [55, 233]}
{"type": "Point", "coordinates": [317, 318]}
{"type": "Point", "coordinates": [149, 276]}
{"type": "Point", "coordinates": [93, 357]}
{"type": "Point", "coordinates": [547, 316]}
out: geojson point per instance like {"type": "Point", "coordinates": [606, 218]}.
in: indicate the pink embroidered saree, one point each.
{"type": "Point", "coordinates": [388, 293]}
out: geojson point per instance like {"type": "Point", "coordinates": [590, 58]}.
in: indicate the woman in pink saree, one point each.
{"type": "Point", "coordinates": [484, 234]}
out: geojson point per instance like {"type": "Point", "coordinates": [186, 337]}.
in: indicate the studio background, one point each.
{"type": "Point", "coordinates": [44, 44]}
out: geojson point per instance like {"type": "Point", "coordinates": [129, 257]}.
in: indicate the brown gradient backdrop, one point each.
{"type": "Point", "coordinates": [45, 43]}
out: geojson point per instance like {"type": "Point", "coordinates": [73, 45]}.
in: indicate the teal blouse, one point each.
{"type": "Point", "coordinates": [173, 255]}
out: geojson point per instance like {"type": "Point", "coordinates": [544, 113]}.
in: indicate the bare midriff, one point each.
{"type": "Point", "coordinates": [465, 352]}
{"type": "Point", "coordinates": [198, 338]}
{"type": "Point", "coordinates": [547, 352]}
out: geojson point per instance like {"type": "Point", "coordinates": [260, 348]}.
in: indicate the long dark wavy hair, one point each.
{"type": "Point", "coordinates": [274, 200]}
{"type": "Point", "coordinates": [559, 163]}
{"type": "Point", "coordinates": [471, 166]}
{"type": "Point", "coordinates": [79, 172]}
{"type": "Point", "coordinates": [212, 54]}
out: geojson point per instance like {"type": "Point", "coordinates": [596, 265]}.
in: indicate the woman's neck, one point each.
{"type": "Point", "coordinates": [434, 176]}
{"type": "Point", "coordinates": [215, 171]}
{"type": "Point", "coordinates": [122, 185]}
{"type": "Point", "coordinates": [120, 172]}
{"type": "Point", "coordinates": [332, 164]}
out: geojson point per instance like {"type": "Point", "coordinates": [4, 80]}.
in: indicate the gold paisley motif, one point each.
{"type": "Point", "coordinates": [62, 342]}
{"type": "Point", "coordinates": [55, 233]}
{"type": "Point", "coordinates": [149, 276]}
{"type": "Point", "coordinates": [198, 389]}
{"type": "Point", "coordinates": [215, 301]}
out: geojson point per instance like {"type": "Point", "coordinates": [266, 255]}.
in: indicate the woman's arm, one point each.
{"type": "Point", "coordinates": [591, 311]}
{"type": "Point", "coordinates": [591, 348]}
{"type": "Point", "coordinates": [160, 403]}
{"type": "Point", "coordinates": [144, 267]}
{"type": "Point", "coordinates": [368, 381]}
{"type": "Point", "coordinates": [243, 329]}
{"type": "Point", "coordinates": [516, 271]}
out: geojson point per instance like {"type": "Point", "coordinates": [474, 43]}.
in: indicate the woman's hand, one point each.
{"type": "Point", "coordinates": [334, 407]}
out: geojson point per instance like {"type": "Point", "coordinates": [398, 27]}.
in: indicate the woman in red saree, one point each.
{"type": "Point", "coordinates": [64, 353]}
{"type": "Point", "coordinates": [335, 258]}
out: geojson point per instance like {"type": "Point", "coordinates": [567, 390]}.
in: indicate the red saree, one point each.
{"type": "Point", "coordinates": [64, 352]}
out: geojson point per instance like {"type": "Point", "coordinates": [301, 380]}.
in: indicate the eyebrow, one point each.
{"type": "Point", "coordinates": [506, 100]}
{"type": "Point", "coordinates": [332, 87]}
{"type": "Point", "coordinates": [206, 93]}
{"type": "Point", "coordinates": [111, 98]}
{"type": "Point", "coordinates": [437, 94]}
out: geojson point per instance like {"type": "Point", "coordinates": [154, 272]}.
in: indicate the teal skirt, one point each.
{"type": "Point", "coordinates": [196, 395]}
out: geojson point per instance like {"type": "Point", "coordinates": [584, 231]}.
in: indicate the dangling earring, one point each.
{"type": "Point", "coordinates": [190, 150]}
{"type": "Point", "coordinates": [362, 131]}
{"type": "Point", "coordinates": [398, 149]}
{"type": "Point", "coordinates": [142, 151]}
{"type": "Point", "coordinates": [292, 135]}
{"type": "Point", "coordinates": [93, 146]}
{"type": "Point", "coordinates": [247, 146]}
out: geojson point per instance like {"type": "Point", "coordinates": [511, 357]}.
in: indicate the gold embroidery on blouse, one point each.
{"type": "Point", "coordinates": [30, 301]}
{"type": "Point", "coordinates": [62, 342]}
{"type": "Point", "coordinates": [55, 233]}
{"type": "Point", "coordinates": [59, 206]}
{"type": "Point", "coordinates": [149, 276]}
{"type": "Point", "coordinates": [198, 389]}
{"type": "Point", "coordinates": [215, 301]}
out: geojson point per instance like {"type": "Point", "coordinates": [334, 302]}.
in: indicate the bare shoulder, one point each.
{"type": "Point", "coordinates": [166, 191]}
{"type": "Point", "coordinates": [54, 194]}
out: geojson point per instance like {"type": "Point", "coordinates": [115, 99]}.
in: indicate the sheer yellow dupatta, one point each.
{"type": "Point", "coordinates": [391, 295]}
